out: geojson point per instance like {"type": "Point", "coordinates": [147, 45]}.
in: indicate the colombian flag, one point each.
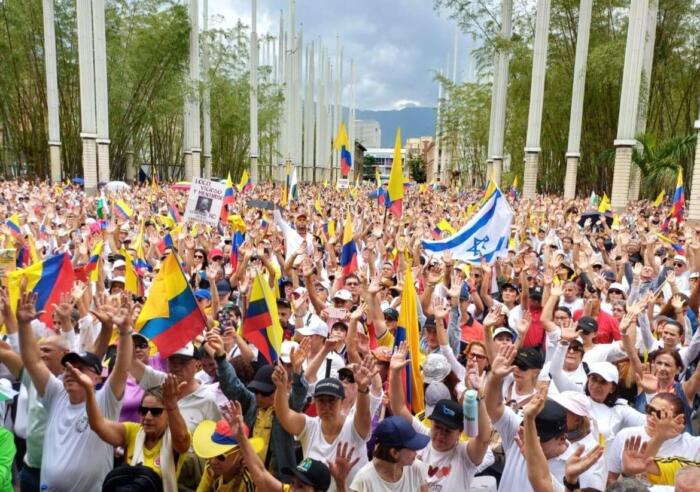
{"type": "Point", "coordinates": [123, 209]}
{"type": "Point", "coordinates": [246, 183]}
{"type": "Point", "coordinates": [408, 330]}
{"type": "Point", "coordinates": [170, 317]}
{"type": "Point", "coordinates": [348, 255]}
{"type": "Point", "coordinates": [48, 279]}
{"type": "Point", "coordinates": [228, 197]}
{"type": "Point", "coordinates": [13, 224]}
{"type": "Point", "coordinates": [174, 213]}
{"type": "Point", "coordinates": [132, 281]}
{"type": "Point", "coordinates": [91, 266]}
{"type": "Point", "coordinates": [261, 325]}
{"type": "Point", "coordinates": [341, 144]}
{"type": "Point", "coordinates": [395, 190]}
{"type": "Point", "coordinates": [678, 207]}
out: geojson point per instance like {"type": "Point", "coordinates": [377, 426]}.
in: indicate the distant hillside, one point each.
{"type": "Point", "coordinates": [414, 122]}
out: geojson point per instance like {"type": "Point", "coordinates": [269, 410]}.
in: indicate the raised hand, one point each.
{"type": "Point", "coordinates": [524, 324]}
{"type": "Point", "coordinates": [299, 354]}
{"type": "Point", "coordinates": [343, 463]}
{"type": "Point", "coordinates": [647, 381]}
{"type": "Point", "coordinates": [441, 309]}
{"type": "Point", "coordinates": [214, 345]}
{"type": "Point", "coordinates": [578, 463]}
{"type": "Point", "coordinates": [364, 372]}
{"type": "Point", "coordinates": [172, 389]}
{"type": "Point", "coordinates": [26, 307]}
{"type": "Point", "coordinates": [492, 318]}
{"type": "Point", "coordinates": [677, 303]}
{"type": "Point", "coordinates": [502, 364]}
{"type": "Point", "coordinates": [556, 290]}
{"type": "Point", "coordinates": [634, 458]}
{"type": "Point", "coordinates": [279, 377]}
{"type": "Point", "coordinates": [399, 358]}
{"type": "Point", "coordinates": [533, 407]}
{"type": "Point", "coordinates": [64, 308]}
{"type": "Point", "coordinates": [233, 414]}
{"type": "Point", "coordinates": [83, 379]}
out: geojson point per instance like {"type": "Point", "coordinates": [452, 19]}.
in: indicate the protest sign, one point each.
{"type": "Point", "coordinates": [205, 201]}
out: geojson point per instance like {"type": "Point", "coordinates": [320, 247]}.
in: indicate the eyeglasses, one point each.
{"type": "Point", "coordinates": [155, 411]}
{"type": "Point", "coordinates": [474, 355]}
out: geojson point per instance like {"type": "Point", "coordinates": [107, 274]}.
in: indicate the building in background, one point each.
{"type": "Point", "coordinates": [368, 133]}
{"type": "Point", "coordinates": [384, 159]}
{"type": "Point", "coordinates": [423, 148]}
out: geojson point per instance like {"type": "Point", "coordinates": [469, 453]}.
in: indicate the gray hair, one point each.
{"type": "Point", "coordinates": [626, 484]}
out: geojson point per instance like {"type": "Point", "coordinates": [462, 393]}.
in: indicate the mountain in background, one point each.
{"type": "Point", "coordinates": [413, 121]}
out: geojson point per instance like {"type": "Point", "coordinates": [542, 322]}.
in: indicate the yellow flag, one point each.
{"type": "Point", "coordinates": [604, 204]}
{"type": "Point", "coordinates": [395, 187]}
{"type": "Point", "coordinates": [659, 199]}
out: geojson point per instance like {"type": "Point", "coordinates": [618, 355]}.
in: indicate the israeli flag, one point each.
{"type": "Point", "coordinates": [486, 234]}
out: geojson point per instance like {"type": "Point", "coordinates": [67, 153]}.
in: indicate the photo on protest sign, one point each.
{"type": "Point", "coordinates": [205, 201]}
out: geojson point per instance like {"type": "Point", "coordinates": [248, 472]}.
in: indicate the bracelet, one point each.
{"type": "Point", "coordinates": [571, 486]}
{"type": "Point", "coordinates": [363, 392]}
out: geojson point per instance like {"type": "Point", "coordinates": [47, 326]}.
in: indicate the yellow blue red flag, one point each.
{"type": "Point", "coordinates": [261, 325]}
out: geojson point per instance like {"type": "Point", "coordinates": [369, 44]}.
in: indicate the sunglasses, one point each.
{"type": "Point", "coordinates": [217, 258]}
{"type": "Point", "coordinates": [199, 257]}
{"type": "Point", "coordinates": [678, 264]}
{"type": "Point", "coordinates": [575, 348]}
{"type": "Point", "coordinates": [155, 411]}
{"type": "Point", "coordinates": [141, 345]}
{"type": "Point", "coordinates": [649, 410]}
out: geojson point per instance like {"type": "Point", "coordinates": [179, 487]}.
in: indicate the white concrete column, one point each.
{"type": "Point", "coordinates": [196, 163]}
{"type": "Point", "coordinates": [534, 119]}
{"type": "Point", "coordinates": [101, 90]}
{"type": "Point", "coordinates": [86, 66]}
{"type": "Point", "coordinates": [629, 102]}
{"type": "Point", "coordinates": [206, 99]}
{"type": "Point", "coordinates": [192, 112]}
{"type": "Point", "coordinates": [694, 206]}
{"type": "Point", "coordinates": [577, 94]}
{"type": "Point", "coordinates": [570, 178]}
{"type": "Point", "coordinates": [497, 169]}
{"type": "Point", "coordinates": [188, 165]}
{"type": "Point", "coordinates": [253, 67]}
{"type": "Point", "coordinates": [635, 182]}
{"type": "Point", "coordinates": [52, 102]}
{"type": "Point", "coordinates": [130, 166]}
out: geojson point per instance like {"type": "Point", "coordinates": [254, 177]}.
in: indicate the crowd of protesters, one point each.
{"type": "Point", "coordinates": [570, 363]}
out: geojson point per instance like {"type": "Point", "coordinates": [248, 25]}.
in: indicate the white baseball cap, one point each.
{"type": "Point", "coordinates": [617, 286]}
{"type": "Point", "coordinates": [186, 351]}
{"type": "Point", "coordinates": [343, 295]}
{"type": "Point", "coordinates": [316, 327]}
{"type": "Point", "coordinates": [286, 350]}
{"type": "Point", "coordinates": [435, 368]}
{"type": "Point", "coordinates": [606, 370]}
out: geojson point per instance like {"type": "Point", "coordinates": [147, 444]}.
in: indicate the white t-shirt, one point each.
{"type": "Point", "coordinates": [605, 352]}
{"type": "Point", "coordinates": [76, 459]}
{"type": "Point", "coordinates": [447, 470]}
{"type": "Point", "coordinates": [612, 419]}
{"type": "Point", "coordinates": [514, 477]}
{"type": "Point", "coordinates": [596, 476]}
{"type": "Point", "coordinates": [315, 446]}
{"type": "Point", "coordinates": [368, 480]}
{"type": "Point", "coordinates": [574, 305]}
{"type": "Point", "coordinates": [683, 445]}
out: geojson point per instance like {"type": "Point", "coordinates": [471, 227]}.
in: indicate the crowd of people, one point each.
{"type": "Point", "coordinates": [569, 363]}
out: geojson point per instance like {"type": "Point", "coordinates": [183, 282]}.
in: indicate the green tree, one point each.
{"type": "Point", "coordinates": [416, 166]}
{"type": "Point", "coordinates": [368, 168]}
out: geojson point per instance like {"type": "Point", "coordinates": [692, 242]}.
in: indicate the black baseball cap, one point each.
{"type": "Point", "coordinates": [311, 472]}
{"type": "Point", "coordinates": [551, 421]}
{"type": "Point", "coordinates": [535, 293]}
{"type": "Point", "coordinates": [397, 432]}
{"type": "Point", "coordinates": [329, 387]}
{"type": "Point", "coordinates": [449, 413]}
{"type": "Point", "coordinates": [430, 321]}
{"type": "Point", "coordinates": [391, 314]}
{"type": "Point", "coordinates": [529, 358]}
{"type": "Point", "coordinates": [85, 358]}
{"type": "Point", "coordinates": [510, 285]}
{"type": "Point", "coordinates": [262, 381]}
{"type": "Point", "coordinates": [587, 324]}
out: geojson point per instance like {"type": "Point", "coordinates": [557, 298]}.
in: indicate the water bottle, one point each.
{"type": "Point", "coordinates": [470, 407]}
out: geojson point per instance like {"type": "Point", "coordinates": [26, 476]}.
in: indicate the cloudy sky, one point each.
{"type": "Point", "coordinates": [396, 46]}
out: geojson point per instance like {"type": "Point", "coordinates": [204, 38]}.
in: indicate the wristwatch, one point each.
{"type": "Point", "coordinates": [571, 486]}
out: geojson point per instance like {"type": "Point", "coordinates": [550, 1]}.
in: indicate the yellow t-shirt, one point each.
{"type": "Point", "coordinates": [151, 457]}
{"type": "Point", "coordinates": [209, 483]}
{"type": "Point", "coordinates": [668, 467]}
{"type": "Point", "coordinates": [263, 428]}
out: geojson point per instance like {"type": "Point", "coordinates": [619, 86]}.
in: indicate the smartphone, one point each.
{"type": "Point", "coordinates": [336, 313]}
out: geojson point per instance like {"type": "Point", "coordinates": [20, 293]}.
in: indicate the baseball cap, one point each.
{"type": "Point", "coordinates": [695, 275]}
{"type": "Point", "coordinates": [391, 314]}
{"type": "Point", "coordinates": [529, 358]}
{"type": "Point", "coordinates": [587, 324]}
{"type": "Point", "coordinates": [464, 292]}
{"type": "Point", "coordinates": [535, 293]}
{"type": "Point", "coordinates": [605, 370]}
{"type": "Point", "coordinates": [503, 329]}
{"type": "Point", "coordinates": [262, 381]}
{"type": "Point", "coordinates": [329, 387]}
{"type": "Point", "coordinates": [136, 335]}
{"type": "Point", "coordinates": [435, 368]}
{"type": "Point", "coordinates": [397, 432]}
{"type": "Point", "coordinates": [449, 413]}
{"type": "Point", "coordinates": [215, 252]}
{"type": "Point", "coordinates": [120, 280]}
{"type": "Point", "coordinates": [299, 291]}
{"type": "Point", "coordinates": [609, 276]}
{"type": "Point", "coordinates": [187, 351]}
{"type": "Point", "coordinates": [429, 322]}
{"type": "Point", "coordinates": [680, 258]}
{"type": "Point", "coordinates": [316, 327]}
{"type": "Point", "coordinates": [311, 472]}
{"type": "Point", "coordinates": [119, 264]}
{"type": "Point", "coordinates": [510, 285]}
{"type": "Point", "coordinates": [286, 350]}
{"type": "Point", "coordinates": [223, 287]}
{"type": "Point", "coordinates": [202, 294]}
{"type": "Point", "coordinates": [86, 358]}
{"type": "Point", "coordinates": [551, 421]}
{"type": "Point", "coordinates": [433, 394]}
{"type": "Point", "coordinates": [618, 287]}
{"type": "Point", "coordinates": [343, 295]}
